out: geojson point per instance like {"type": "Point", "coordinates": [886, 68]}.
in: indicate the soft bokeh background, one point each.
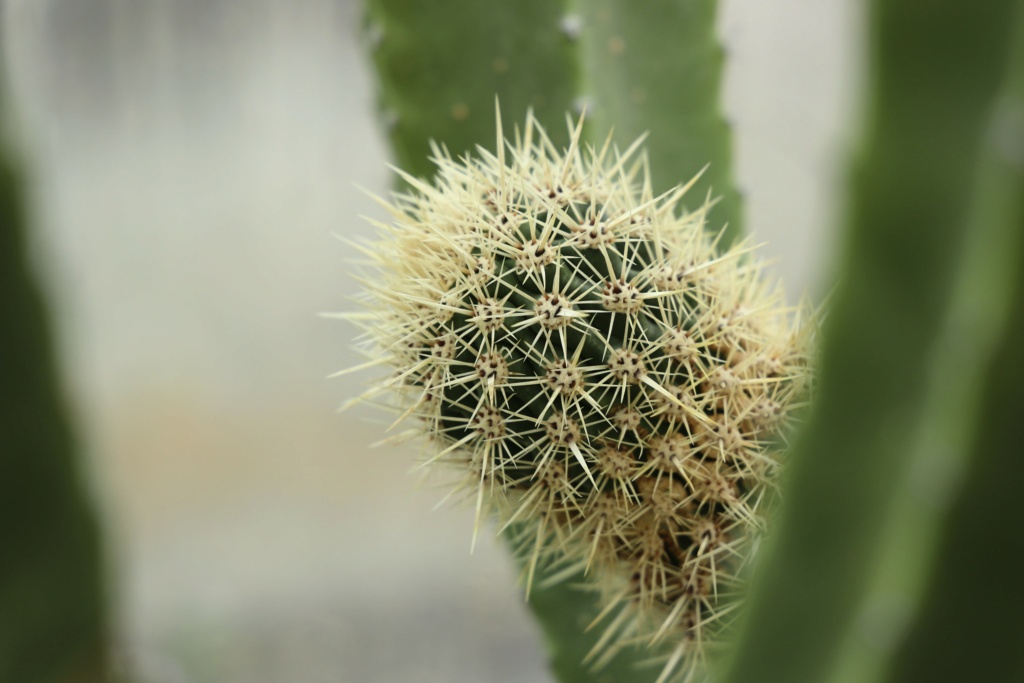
{"type": "Point", "coordinates": [193, 159]}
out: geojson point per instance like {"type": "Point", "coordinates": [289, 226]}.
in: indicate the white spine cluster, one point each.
{"type": "Point", "coordinates": [580, 351]}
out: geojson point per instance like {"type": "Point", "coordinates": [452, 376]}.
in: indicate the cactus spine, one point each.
{"type": "Point", "coordinates": [594, 369]}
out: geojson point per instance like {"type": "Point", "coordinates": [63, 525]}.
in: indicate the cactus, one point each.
{"type": "Point", "coordinates": [597, 372]}
{"type": "Point", "coordinates": [917, 541]}
{"type": "Point", "coordinates": [440, 64]}
{"type": "Point", "coordinates": [52, 616]}
{"type": "Point", "coordinates": [980, 543]}
{"type": "Point", "coordinates": [655, 71]}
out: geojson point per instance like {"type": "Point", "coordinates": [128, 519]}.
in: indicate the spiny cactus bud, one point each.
{"type": "Point", "coordinates": [578, 349]}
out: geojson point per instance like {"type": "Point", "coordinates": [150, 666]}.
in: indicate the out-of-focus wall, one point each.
{"type": "Point", "coordinates": [193, 160]}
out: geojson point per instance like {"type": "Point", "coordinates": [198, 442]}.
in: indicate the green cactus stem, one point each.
{"type": "Point", "coordinates": [935, 73]}
{"type": "Point", "coordinates": [441, 64]}
{"type": "Point", "coordinates": [52, 615]}
{"type": "Point", "coordinates": [978, 542]}
{"type": "Point", "coordinates": [656, 71]}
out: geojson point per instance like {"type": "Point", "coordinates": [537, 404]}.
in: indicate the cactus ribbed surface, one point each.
{"type": "Point", "coordinates": [597, 372]}
{"type": "Point", "coordinates": [441, 63]}
{"type": "Point", "coordinates": [658, 70]}
{"type": "Point", "coordinates": [653, 70]}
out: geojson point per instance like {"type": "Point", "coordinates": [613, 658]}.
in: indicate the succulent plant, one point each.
{"type": "Point", "coordinates": [594, 368]}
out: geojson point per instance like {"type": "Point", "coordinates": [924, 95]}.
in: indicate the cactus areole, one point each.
{"type": "Point", "coordinates": [579, 353]}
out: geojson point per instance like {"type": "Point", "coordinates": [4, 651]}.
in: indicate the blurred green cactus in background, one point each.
{"type": "Point", "coordinates": [52, 613]}
{"type": "Point", "coordinates": [868, 580]}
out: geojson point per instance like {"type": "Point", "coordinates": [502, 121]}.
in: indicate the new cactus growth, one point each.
{"type": "Point", "coordinates": [594, 369]}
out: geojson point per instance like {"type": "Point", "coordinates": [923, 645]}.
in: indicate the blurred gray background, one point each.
{"type": "Point", "coordinates": [193, 159]}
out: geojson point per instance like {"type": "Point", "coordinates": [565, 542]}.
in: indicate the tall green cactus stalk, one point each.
{"type": "Point", "coordinates": [658, 71]}
{"type": "Point", "coordinates": [897, 557]}
{"type": "Point", "coordinates": [52, 616]}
